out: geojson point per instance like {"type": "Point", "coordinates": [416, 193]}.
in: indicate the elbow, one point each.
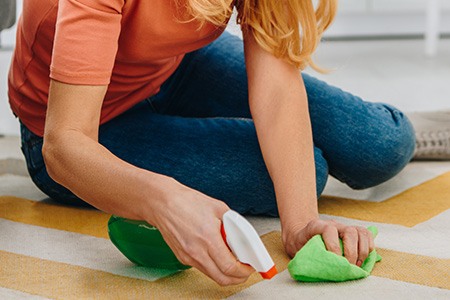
{"type": "Point", "coordinates": [51, 152]}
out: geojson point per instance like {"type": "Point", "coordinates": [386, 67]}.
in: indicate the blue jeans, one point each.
{"type": "Point", "coordinates": [198, 130]}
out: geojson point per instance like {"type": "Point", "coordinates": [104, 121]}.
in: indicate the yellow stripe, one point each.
{"type": "Point", "coordinates": [64, 281]}
{"type": "Point", "coordinates": [412, 268]}
{"type": "Point", "coordinates": [74, 219]}
{"type": "Point", "coordinates": [409, 208]}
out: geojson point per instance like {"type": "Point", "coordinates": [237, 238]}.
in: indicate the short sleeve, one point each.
{"type": "Point", "coordinates": [86, 41]}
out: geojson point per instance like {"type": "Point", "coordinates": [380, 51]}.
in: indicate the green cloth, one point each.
{"type": "Point", "coordinates": [314, 263]}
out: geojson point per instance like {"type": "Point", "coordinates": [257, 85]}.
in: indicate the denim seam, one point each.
{"type": "Point", "coordinates": [151, 104]}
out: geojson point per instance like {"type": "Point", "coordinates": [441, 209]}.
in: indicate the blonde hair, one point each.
{"type": "Point", "coordinates": [289, 29]}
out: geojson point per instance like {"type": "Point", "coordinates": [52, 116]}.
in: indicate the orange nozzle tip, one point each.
{"type": "Point", "coordinates": [269, 274]}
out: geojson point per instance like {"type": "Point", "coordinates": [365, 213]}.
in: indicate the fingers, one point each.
{"type": "Point", "coordinates": [365, 245]}
{"type": "Point", "coordinates": [330, 237]}
{"type": "Point", "coordinates": [350, 239]}
{"type": "Point", "coordinates": [227, 263]}
{"type": "Point", "coordinates": [207, 266]}
{"type": "Point", "coordinates": [215, 260]}
{"type": "Point", "coordinates": [358, 243]}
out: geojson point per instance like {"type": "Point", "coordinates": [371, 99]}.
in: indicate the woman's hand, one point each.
{"type": "Point", "coordinates": [190, 223]}
{"type": "Point", "coordinates": [358, 241]}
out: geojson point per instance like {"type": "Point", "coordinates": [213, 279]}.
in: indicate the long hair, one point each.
{"type": "Point", "coordinates": [289, 29]}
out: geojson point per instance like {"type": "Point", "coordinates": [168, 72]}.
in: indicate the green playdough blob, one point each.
{"type": "Point", "coordinates": [314, 263]}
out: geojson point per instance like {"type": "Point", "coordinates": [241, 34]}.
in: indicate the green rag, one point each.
{"type": "Point", "coordinates": [314, 263]}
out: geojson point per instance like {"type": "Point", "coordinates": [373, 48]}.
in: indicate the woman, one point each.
{"type": "Point", "coordinates": [114, 113]}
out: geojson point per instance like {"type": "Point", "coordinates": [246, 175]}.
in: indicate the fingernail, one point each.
{"type": "Point", "coordinates": [359, 263]}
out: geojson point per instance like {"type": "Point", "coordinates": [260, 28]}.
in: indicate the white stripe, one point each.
{"type": "Point", "coordinates": [19, 186]}
{"type": "Point", "coordinates": [430, 238]}
{"type": "Point", "coordinates": [13, 295]}
{"type": "Point", "coordinates": [10, 147]}
{"type": "Point", "coordinates": [71, 248]}
{"type": "Point", "coordinates": [283, 286]}
{"type": "Point", "coordinates": [412, 175]}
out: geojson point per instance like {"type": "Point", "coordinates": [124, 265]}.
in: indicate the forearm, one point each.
{"type": "Point", "coordinates": [95, 175]}
{"type": "Point", "coordinates": [285, 136]}
{"type": "Point", "coordinates": [279, 108]}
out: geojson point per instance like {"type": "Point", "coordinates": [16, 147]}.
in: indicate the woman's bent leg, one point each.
{"type": "Point", "coordinates": [364, 143]}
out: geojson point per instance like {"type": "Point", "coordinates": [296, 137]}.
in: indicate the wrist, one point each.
{"type": "Point", "coordinates": [298, 216]}
{"type": "Point", "coordinates": [297, 210]}
{"type": "Point", "coordinates": [156, 197]}
{"type": "Point", "coordinates": [293, 226]}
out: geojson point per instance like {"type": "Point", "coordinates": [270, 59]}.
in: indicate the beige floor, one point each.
{"type": "Point", "coordinates": [392, 71]}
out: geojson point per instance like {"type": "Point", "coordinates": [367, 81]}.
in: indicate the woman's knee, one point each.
{"type": "Point", "coordinates": [389, 152]}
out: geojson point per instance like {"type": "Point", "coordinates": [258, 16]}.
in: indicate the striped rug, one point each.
{"type": "Point", "coordinates": [59, 252]}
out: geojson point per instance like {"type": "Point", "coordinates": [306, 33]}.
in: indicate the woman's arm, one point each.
{"type": "Point", "coordinates": [188, 220]}
{"type": "Point", "coordinates": [76, 160]}
{"type": "Point", "coordinates": [279, 107]}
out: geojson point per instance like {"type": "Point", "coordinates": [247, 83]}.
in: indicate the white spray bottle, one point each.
{"type": "Point", "coordinates": [246, 245]}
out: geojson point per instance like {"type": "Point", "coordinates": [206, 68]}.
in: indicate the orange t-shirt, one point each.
{"type": "Point", "coordinates": [132, 45]}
